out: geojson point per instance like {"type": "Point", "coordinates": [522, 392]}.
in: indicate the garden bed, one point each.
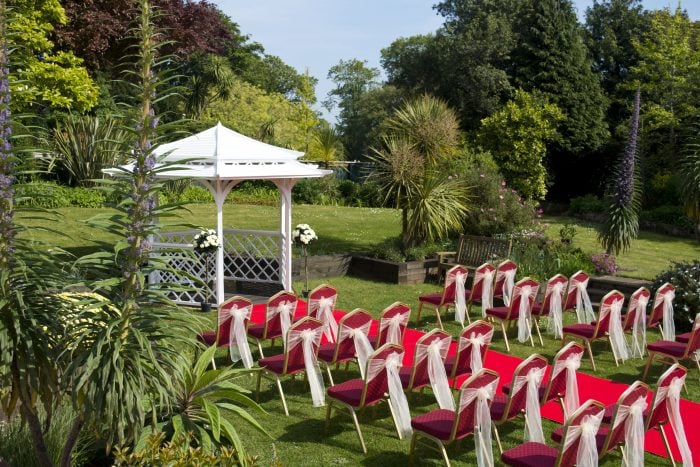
{"type": "Point", "coordinates": [408, 272]}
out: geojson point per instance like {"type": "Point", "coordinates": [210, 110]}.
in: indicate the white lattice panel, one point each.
{"type": "Point", "coordinates": [252, 255]}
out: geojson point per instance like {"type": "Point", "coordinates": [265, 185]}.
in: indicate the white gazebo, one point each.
{"type": "Point", "coordinates": [219, 159]}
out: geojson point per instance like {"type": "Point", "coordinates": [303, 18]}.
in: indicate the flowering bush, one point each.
{"type": "Point", "coordinates": [303, 234]}
{"type": "Point", "coordinates": [685, 277]}
{"type": "Point", "coordinates": [206, 242]}
{"type": "Point", "coordinates": [604, 263]}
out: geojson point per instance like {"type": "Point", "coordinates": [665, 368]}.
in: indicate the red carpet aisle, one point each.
{"type": "Point", "coordinates": [590, 387]}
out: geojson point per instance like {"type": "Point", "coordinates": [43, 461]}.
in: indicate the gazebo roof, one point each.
{"type": "Point", "coordinates": [221, 153]}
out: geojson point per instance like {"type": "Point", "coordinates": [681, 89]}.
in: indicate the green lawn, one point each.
{"type": "Point", "coordinates": [345, 229]}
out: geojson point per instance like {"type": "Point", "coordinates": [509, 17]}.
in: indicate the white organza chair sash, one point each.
{"type": "Point", "coordinates": [617, 334]}
{"type": "Point", "coordinates": [482, 425]}
{"type": "Point", "coordinates": [639, 327]}
{"type": "Point", "coordinates": [524, 328]}
{"type": "Point", "coordinates": [672, 395]}
{"type": "Point", "coordinates": [363, 348]}
{"type": "Point", "coordinates": [238, 341]}
{"type": "Point", "coordinates": [322, 309]}
{"type": "Point", "coordinates": [309, 339]}
{"type": "Point", "coordinates": [435, 353]}
{"type": "Point", "coordinates": [667, 325]}
{"type": "Point", "coordinates": [476, 341]}
{"type": "Point", "coordinates": [587, 454]}
{"type": "Point", "coordinates": [584, 308]}
{"type": "Point", "coordinates": [486, 278]}
{"type": "Point", "coordinates": [556, 324]}
{"type": "Point", "coordinates": [533, 418]}
{"type": "Point", "coordinates": [633, 416]}
{"type": "Point", "coordinates": [397, 398]}
{"type": "Point", "coordinates": [570, 364]}
{"type": "Point", "coordinates": [460, 298]}
{"type": "Point", "coordinates": [286, 311]}
{"type": "Point", "coordinates": [393, 326]}
{"type": "Point", "coordinates": [508, 283]}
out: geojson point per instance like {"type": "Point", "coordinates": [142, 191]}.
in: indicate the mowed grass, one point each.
{"type": "Point", "coordinates": [303, 439]}
{"type": "Point", "coordinates": [351, 230]}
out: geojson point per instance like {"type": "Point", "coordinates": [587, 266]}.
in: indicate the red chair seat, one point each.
{"type": "Point", "coordinates": [583, 330]}
{"type": "Point", "coordinates": [326, 352]}
{"type": "Point", "coordinates": [675, 349]}
{"type": "Point", "coordinates": [531, 455]}
{"type": "Point", "coordinates": [275, 364]}
{"type": "Point", "coordinates": [558, 433]}
{"type": "Point", "coordinates": [437, 423]}
{"type": "Point", "coordinates": [498, 406]}
{"type": "Point", "coordinates": [433, 298]}
{"type": "Point", "coordinates": [350, 392]}
{"type": "Point", "coordinates": [207, 337]}
{"type": "Point", "coordinates": [450, 363]}
{"type": "Point", "coordinates": [258, 330]}
{"type": "Point", "coordinates": [684, 338]}
{"type": "Point", "coordinates": [540, 391]}
{"type": "Point", "coordinates": [502, 311]}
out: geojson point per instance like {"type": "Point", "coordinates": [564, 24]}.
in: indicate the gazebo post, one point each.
{"type": "Point", "coordinates": [220, 190]}
{"type": "Point", "coordinates": [285, 187]}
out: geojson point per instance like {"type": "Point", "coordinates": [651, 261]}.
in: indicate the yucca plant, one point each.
{"type": "Point", "coordinates": [690, 176]}
{"type": "Point", "coordinates": [621, 225]}
{"type": "Point", "coordinates": [209, 404]}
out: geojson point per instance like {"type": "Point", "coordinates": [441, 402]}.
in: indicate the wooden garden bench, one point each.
{"type": "Point", "coordinates": [473, 251]}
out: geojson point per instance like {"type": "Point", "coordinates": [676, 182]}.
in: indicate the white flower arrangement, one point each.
{"type": "Point", "coordinates": [303, 234]}
{"type": "Point", "coordinates": [206, 242]}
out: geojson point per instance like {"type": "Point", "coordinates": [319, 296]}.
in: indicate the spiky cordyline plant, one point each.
{"type": "Point", "coordinates": [133, 355]}
{"type": "Point", "coordinates": [622, 223]}
{"type": "Point", "coordinates": [690, 175]}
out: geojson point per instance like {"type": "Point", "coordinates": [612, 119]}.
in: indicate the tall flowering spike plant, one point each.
{"type": "Point", "coordinates": [7, 231]}
{"type": "Point", "coordinates": [622, 223]}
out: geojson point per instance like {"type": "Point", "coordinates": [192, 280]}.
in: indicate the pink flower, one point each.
{"type": "Point", "coordinates": [503, 183]}
{"type": "Point", "coordinates": [540, 211]}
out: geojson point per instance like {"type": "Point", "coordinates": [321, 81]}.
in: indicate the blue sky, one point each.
{"type": "Point", "coordinates": [317, 34]}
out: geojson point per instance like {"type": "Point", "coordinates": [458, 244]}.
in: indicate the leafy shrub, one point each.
{"type": "Point", "coordinates": [47, 195]}
{"type": "Point", "coordinates": [543, 259]}
{"type": "Point", "coordinates": [390, 250]}
{"type": "Point", "coordinates": [586, 204]}
{"type": "Point", "coordinates": [685, 277]}
{"type": "Point", "coordinates": [668, 214]}
{"type": "Point", "coordinates": [604, 263]}
{"type": "Point", "coordinates": [86, 197]}
{"type": "Point", "coordinates": [322, 191]}
{"type": "Point", "coordinates": [195, 194]}
{"type": "Point", "coordinates": [662, 189]}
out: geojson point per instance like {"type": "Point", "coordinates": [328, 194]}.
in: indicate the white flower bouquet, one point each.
{"type": "Point", "coordinates": [206, 242]}
{"type": "Point", "coordinates": [303, 234]}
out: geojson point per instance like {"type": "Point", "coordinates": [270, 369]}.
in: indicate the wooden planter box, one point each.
{"type": "Point", "coordinates": [321, 266]}
{"type": "Point", "coordinates": [409, 272]}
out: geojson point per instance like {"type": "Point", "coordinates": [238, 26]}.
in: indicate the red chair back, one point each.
{"type": "Point", "coordinates": [556, 386]}
{"type": "Point", "coordinates": [518, 396]}
{"type": "Point", "coordinates": [319, 293]}
{"type": "Point", "coordinates": [273, 324]}
{"type": "Point", "coordinates": [641, 293]}
{"type": "Point", "coordinates": [387, 314]}
{"type": "Point", "coordinates": [376, 385]}
{"type": "Point", "coordinates": [549, 290]}
{"type": "Point", "coordinates": [500, 279]}
{"type": "Point", "coordinates": [579, 277]}
{"type": "Point", "coordinates": [658, 414]}
{"type": "Point", "coordinates": [450, 287]}
{"type": "Point", "coordinates": [478, 284]}
{"type": "Point", "coordinates": [694, 341]}
{"type": "Point", "coordinates": [603, 323]}
{"type": "Point", "coordinates": [616, 434]}
{"type": "Point", "coordinates": [419, 373]}
{"type": "Point", "coordinates": [466, 416]}
{"type": "Point", "coordinates": [657, 311]}
{"type": "Point", "coordinates": [567, 456]}
{"type": "Point", "coordinates": [294, 356]}
{"type": "Point", "coordinates": [518, 296]}
{"type": "Point", "coordinates": [463, 357]}
{"type": "Point", "coordinates": [223, 331]}
{"type": "Point", "coordinates": [345, 344]}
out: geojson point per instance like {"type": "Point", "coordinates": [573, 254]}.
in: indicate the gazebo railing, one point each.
{"type": "Point", "coordinates": [249, 256]}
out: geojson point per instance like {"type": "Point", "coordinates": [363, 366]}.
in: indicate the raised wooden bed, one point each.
{"type": "Point", "coordinates": [321, 266]}
{"type": "Point", "coordinates": [409, 272]}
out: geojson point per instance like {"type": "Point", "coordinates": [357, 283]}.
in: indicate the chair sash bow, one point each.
{"type": "Point", "coordinates": [508, 284]}
{"type": "Point", "coordinates": [460, 298]}
{"type": "Point", "coordinates": [309, 340]}
{"type": "Point", "coordinates": [587, 454]}
{"type": "Point", "coordinates": [533, 418]}
{"type": "Point", "coordinates": [238, 341]}
{"type": "Point", "coordinates": [555, 310]}
{"type": "Point", "coordinates": [435, 353]}
{"type": "Point", "coordinates": [397, 398]}
{"type": "Point", "coordinates": [324, 313]}
{"type": "Point", "coordinates": [363, 348]}
{"type": "Point", "coordinates": [633, 416]}
{"type": "Point", "coordinates": [584, 309]}
{"type": "Point", "coordinates": [617, 334]}
{"type": "Point", "coordinates": [285, 311]}
{"type": "Point", "coordinates": [570, 364]}
{"type": "Point", "coordinates": [486, 278]}
{"type": "Point", "coordinates": [667, 326]}
{"type": "Point", "coordinates": [639, 327]}
{"type": "Point", "coordinates": [524, 327]}
{"type": "Point", "coordinates": [393, 326]}
{"type": "Point", "coordinates": [482, 424]}
{"type": "Point", "coordinates": [476, 341]}
{"type": "Point", "coordinates": [672, 395]}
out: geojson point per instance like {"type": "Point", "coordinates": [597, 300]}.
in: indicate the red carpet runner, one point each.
{"type": "Point", "coordinates": [590, 387]}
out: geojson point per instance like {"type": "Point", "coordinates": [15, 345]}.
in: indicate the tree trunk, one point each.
{"type": "Point", "coordinates": [405, 239]}
{"type": "Point", "coordinates": [71, 441]}
{"type": "Point", "coordinates": [42, 453]}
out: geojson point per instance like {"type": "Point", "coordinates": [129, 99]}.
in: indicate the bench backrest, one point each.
{"type": "Point", "coordinates": [473, 250]}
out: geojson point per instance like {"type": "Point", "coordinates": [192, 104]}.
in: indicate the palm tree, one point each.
{"type": "Point", "coordinates": [326, 146]}
{"type": "Point", "coordinates": [210, 78]}
{"type": "Point", "coordinates": [690, 170]}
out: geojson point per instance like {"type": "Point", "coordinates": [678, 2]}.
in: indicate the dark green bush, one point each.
{"type": "Point", "coordinates": [668, 214]}
{"type": "Point", "coordinates": [586, 204]}
{"type": "Point", "coordinates": [47, 195]}
{"type": "Point", "coordinates": [195, 194]}
{"type": "Point", "coordinates": [685, 277]}
{"type": "Point", "coordinates": [322, 190]}
{"type": "Point", "coordinates": [543, 259]}
{"type": "Point", "coordinates": [86, 197]}
{"type": "Point", "coordinates": [390, 250]}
